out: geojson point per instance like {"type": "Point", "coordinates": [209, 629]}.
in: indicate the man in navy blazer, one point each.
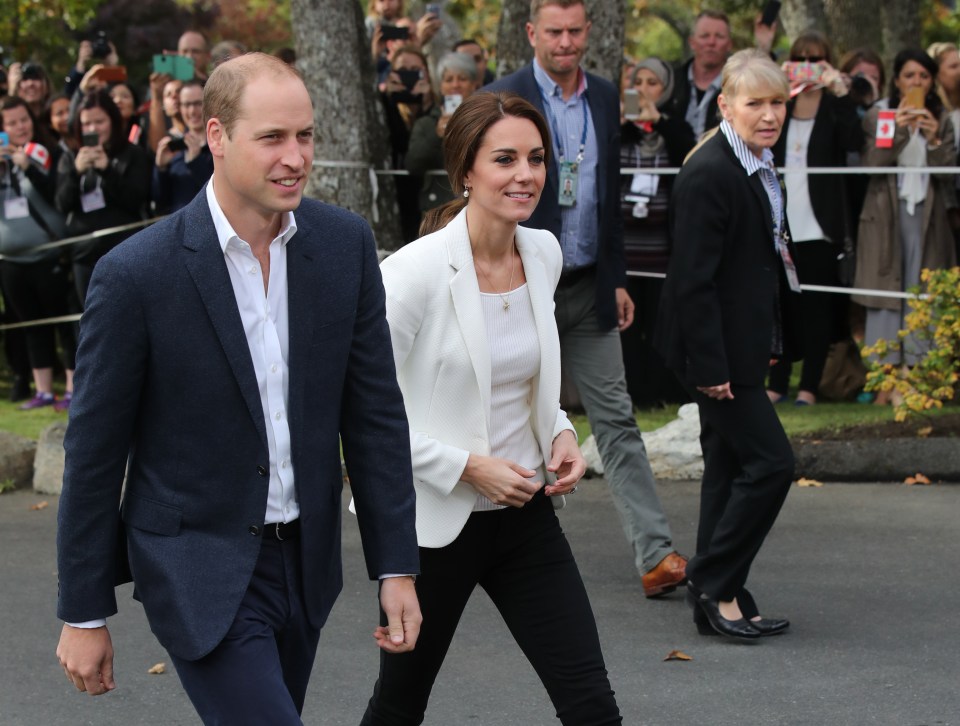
{"type": "Point", "coordinates": [592, 304]}
{"type": "Point", "coordinates": [225, 354]}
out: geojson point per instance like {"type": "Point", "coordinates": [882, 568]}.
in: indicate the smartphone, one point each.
{"type": "Point", "coordinates": [451, 103]}
{"type": "Point", "coordinates": [914, 98]}
{"type": "Point", "coordinates": [409, 78]}
{"type": "Point", "coordinates": [178, 67]}
{"type": "Point", "coordinates": [113, 74]}
{"type": "Point", "coordinates": [631, 104]}
{"type": "Point", "coordinates": [392, 32]}
{"type": "Point", "coordinates": [798, 71]}
{"type": "Point", "coordinates": [177, 143]}
{"type": "Point", "coordinates": [91, 139]}
{"type": "Point", "coordinates": [4, 138]}
{"type": "Point", "coordinates": [770, 12]}
{"type": "Point", "coordinates": [433, 9]}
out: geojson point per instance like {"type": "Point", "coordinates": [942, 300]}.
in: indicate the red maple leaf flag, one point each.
{"type": "Point", "coordinates": [38, 155]}
{"type": "Point", "coordinates": [886, 125]}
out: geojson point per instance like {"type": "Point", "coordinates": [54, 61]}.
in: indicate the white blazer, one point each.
{"type": "Point", "coordinates": [443, 364]}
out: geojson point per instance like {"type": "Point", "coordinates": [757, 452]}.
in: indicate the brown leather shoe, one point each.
{"type": "Point", "coordinates": [666, 576]}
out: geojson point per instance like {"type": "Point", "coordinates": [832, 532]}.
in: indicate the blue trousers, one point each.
{"type": "Point", "coordinates": [258, 673]}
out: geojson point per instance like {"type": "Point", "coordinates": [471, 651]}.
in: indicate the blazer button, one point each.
{"type": "Point", "coordinates": [254, 530]}
{"type": "Point", "coordinates": [262, 470]}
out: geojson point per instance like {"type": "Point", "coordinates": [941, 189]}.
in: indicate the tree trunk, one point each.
{"type": "Point", "coordinates": [605, 52]}
{"type": "Point", "coordinates": [854, 24]}
{"type": "Point", "coordinates": [350, 130]}
{"type": "Point", "coordinates": [796, 16]}
{"type": "Point", "coordinates": [901, 28]}
{"type": "Point", "coordinates": [513, 48]}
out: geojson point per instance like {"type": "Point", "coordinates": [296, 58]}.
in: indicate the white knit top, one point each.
{"type": "Point", "coordinates": [514, 362]}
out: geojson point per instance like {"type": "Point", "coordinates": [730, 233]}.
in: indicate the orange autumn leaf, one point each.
{"type": "Point", "coordinates": [158, 669]}
{"type": "Point", "coordinates": [804, 482]}
{"type": "Point", "coordinates": [39, 505]}
{"type": "Point", "coordinates": [925, 431]}
{"type": "Point", "coordinates": [918, 478]}
{"type": "Point", "coordinates": [677, 655]}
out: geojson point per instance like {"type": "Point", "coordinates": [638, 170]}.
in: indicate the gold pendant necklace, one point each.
{"type": "Point", "coordinates": [504, 297]}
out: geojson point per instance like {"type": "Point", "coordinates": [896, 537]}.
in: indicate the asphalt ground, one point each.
{"type": "Point", "coordinates": [866, 572]}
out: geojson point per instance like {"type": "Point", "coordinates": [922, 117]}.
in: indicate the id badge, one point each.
{"type": "Point", "coordinates": [789, 267]}
{"type": "Point", "coordinates": [16, 208]}
{"type": "Point", "coordinates": [569, 176]}
{"type": "Point", "coordinates": [92, 201]}
{"type": "Point", "coordinates": [645, 184]}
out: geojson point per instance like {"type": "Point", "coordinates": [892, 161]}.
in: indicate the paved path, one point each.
{"type": "Point", "coordinates": [864, 571]}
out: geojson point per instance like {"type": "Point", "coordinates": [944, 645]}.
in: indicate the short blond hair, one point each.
{"type": "Point", "coordinates": [223, 91]}
{"type": "Point", "coordinates": [536, 5]}
{"type": "Point", "coordinates": [753, 70]}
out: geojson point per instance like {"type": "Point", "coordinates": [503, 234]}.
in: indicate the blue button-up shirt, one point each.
{"type": "Point", "coordinates": [579, 223]}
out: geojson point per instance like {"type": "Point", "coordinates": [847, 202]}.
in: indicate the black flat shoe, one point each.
{"type": "Point", "coordinates": [770, 626]}
{"type": "Point", "coordinates": [710, 608]}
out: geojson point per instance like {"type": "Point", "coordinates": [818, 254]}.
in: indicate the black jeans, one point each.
{"type": "Point", "coordinates": [523, 561]}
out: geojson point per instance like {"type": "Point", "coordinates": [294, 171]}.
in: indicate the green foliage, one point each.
{"type": "Point", "coordinates": [935, 320]}
{"type": "Point", "coordinates": [939, 23]}
{"type": "Point", "coordinates": [31, 30]}
{"type": "Point", "coordinates": [7, 485]}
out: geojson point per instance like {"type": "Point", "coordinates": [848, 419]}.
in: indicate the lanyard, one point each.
{"type": "Point", "coordinates": [556, 132]}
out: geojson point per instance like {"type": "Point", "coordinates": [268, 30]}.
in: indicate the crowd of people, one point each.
{"type": "Point", "coordinates": [458, 449]}
{"type": "Point", "coordinates": [89, 157]}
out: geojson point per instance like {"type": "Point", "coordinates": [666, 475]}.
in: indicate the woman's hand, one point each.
{"type": "Point", "coordinates": [17, 156]}
{"type": "Point", "coordinates": [91, 79]}
{"type": "Point", "coordinates": [195, 143]}
{"type": "Point", "coordinates": [393, 84]}
{"type": "Point", "coordinates": [648, 109]}
{"type": "Point", "coordinates": [832, 80]}
{"type": "Point", "coordinates": [718, 392]}
{"type": "Point", "coordinates": [91, 157]}
{"type": "Point", "coordinates": [927, 124]}
{"type": "Point", "coordinates": [423, 90]}
{"type": "Point", "coordinates": [566, 462]}
{"type": "Point", "coordinates": [501, 481]}
{"type": "Point", "coordinates": [164, 154]}
{"type": "Point", "coordinates": [442, 124]}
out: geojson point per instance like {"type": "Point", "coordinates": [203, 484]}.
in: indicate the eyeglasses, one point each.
{"type": "Point", "coordinates": [191, 104]}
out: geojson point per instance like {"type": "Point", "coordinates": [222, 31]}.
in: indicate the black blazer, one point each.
{"type": "Point", "coordinates": [604, 103]}
{"type": "Point", "coordinates": [680, 100]}
{"type": "Point", "coordinates": [725, 286]}
{"type": "Point", "coordinates": [836, 130]}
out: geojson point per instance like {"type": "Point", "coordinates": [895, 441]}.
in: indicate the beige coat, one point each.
{"type": "Point", "coordinates": [879, 265]}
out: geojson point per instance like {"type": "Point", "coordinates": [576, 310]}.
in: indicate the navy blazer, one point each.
{"type": "Point", "coordinates": [725, 286]}
{"type": "Point", "coordinates": [165, 378]}
{"type": "Point", "coordinates": [604, 103]}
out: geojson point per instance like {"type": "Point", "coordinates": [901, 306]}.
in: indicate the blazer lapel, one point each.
{"type": "Point", "coordinates": [465, 294]}
{"type": "Point", "coordinates": [301, 297]}
{"type": "Point", "coordinates": [206, 266]}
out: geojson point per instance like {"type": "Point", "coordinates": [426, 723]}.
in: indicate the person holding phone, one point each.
{"type": "Point", "coordinates": [904, 226]}
{"type": "Point", "coordinates": [105, 184]}
{"type": "Point", "coordinates": [470, 309]}
{"type": "Point", "coordinates": [183, 163]}
{"type": "Point", "coordinates": [407, 96]}
{"type": "Point", "coordinates": [821, 128]}
{"type": "Point", "coordinates": [458, 80]}
{"type": "Point", "coordinates": [34, 281]}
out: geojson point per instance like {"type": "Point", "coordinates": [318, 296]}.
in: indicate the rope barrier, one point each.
{"type": "Point", "coordinates": [67, 241]}
{"type": "Point", "coordinates": [674, 170]}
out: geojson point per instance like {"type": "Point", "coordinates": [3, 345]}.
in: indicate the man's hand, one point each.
{"type": "Point", "coordinates": [718, 392]}
{"type": "Point", "coordinates": [86, 655]}
{"type": "Point", "coordinates": [398, 598]}
{"type": "Point", "coordinates": [625, 309]}
{"type": "Point", "coordinates": [566, 462]}
{"type": "Point", "coordinates": [763, 35]}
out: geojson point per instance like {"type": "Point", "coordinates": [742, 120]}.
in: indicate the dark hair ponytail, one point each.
{"type": "Point", "coordinates": [464, 136]}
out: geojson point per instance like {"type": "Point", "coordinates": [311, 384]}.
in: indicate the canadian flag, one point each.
{"type": "Point", "coordinates": [38, 155]}
{"type": "Point", "coordinates": [886, 125]}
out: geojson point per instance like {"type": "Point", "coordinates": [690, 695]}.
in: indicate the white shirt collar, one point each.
{"type": "Point", "coordinates": [225, 230]}
{"type": "Point", "coordinates": [746, 157]}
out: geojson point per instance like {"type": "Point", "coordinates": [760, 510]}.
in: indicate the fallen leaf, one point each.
{"type": "Point", "coordinates": [925, 431]}
{"type": "Point", "coordinates": [677, 655]}
{"type": "Point", "coordinates": [804, 482]}
{"type": "Point", "coordinates": [918, 478]}
{"type": "Point", "coordinates": [158, 669]}
{"type": "Point", "coordinates": [39, 505]}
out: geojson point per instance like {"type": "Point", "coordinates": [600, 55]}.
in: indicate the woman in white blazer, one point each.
{"type": "Point", "coordinates": [470, 308]}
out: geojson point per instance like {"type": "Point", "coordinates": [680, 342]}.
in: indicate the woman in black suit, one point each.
{"type": "Point", "coordinates": [722, 320]}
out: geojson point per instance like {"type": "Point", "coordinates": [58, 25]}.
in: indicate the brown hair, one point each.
{"type": "Point", "coordinates": [809, 40]}
{"type": "Point", "coordinates": [712, 15]}
{"type": "Point", "coordinates": [464, 135]}
{"type": "Point", "coordinates": [223, 91]}
{"type": "Point", "coordinates": [855, 57]}
{"type": "Point", "coordinates": [537, 5]}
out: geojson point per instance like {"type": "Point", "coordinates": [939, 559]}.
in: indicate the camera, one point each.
{"type": "Point", "coordinates": [861, 91]}
{"type": "Point", "coordinates": [101, 47]}
{"type": "Point", "coordinates": [31, 72]}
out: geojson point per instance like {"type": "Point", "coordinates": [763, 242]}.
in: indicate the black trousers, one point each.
{"type": "Point", "coordinates": [38, 290]}
{"type": "Point", "coordinates": [822, 313]}
{"type": "Point", "coordinates": [258, 673]}
{"type": "Point", "coordinates": [523, 561]}
{"type": "Point", "coordinates": [747, 471]}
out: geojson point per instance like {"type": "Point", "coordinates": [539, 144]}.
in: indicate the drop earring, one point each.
{"type": "Point", "coordinates": [466, 193]}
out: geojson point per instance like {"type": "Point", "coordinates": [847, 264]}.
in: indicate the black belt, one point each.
{"type": "Point", "coordinates": [568, 279]}
{"type": "Point", "coordinates": [281, 530]}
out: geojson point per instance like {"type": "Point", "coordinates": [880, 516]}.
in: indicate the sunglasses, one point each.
{"type": "Point", "coordinates": [809, 58]}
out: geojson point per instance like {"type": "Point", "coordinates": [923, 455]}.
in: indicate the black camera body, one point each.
{"type": "Point", "coordinates": [101, 47]}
